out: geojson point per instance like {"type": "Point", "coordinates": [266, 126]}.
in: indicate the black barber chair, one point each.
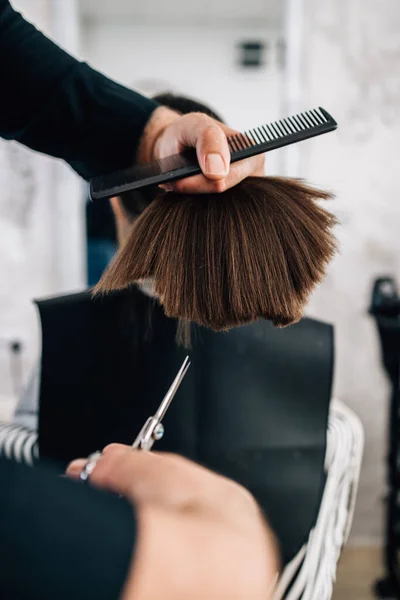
{"type": "Point", "coordinates": [385, 307]}
{"type": "Point", "coordinates": [254, 404]}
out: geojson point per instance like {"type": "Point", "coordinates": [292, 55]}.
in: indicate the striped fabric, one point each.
{"type": "Point", "coordinates": [19, 443]}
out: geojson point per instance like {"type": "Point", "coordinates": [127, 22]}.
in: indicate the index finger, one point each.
{"type": "Point", "coordinates": [198, 184]}
{"type": "Point", "coordinates": [145, 476]}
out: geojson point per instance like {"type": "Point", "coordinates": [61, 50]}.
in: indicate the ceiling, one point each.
{"type": "Point", "coordinates": [209, 12]}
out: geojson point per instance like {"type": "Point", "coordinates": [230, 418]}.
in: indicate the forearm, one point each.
{"type": "Point", "coordinates": [54, 104]}
{"type": "Point", "coordinates": [168, 558]}
{"type": "Point", "coordinates": [184, 556]}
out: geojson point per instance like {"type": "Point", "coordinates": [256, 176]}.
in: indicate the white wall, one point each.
{"type": "Point", "coordinates": [199, 61]}
{"type": "Point", "coordinates": [351, 66]}
{"type": "Point", "coordinates": [41, 226]}
{"type": "Point", "coordinates": [25, 223]}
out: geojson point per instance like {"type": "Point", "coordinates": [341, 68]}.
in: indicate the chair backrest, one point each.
{"type": "Point", "coordinates": [312, 573]}
{"type": "Point", "coordinates": [253, 406]}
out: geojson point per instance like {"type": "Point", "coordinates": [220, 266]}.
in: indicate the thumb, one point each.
{"type": "Point", "coordinates": [212, 151]}
{"type": "Point", "coordinates": [206, 135]}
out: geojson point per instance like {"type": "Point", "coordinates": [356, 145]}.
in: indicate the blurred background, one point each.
{"type": "Point", "coordinates": [253, 62]}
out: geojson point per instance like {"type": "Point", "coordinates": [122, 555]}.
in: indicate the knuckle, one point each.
{"type": "Point", "coordinates": [197, 120]}
{"type": "Point", "coordinates": [220, 186]}
{"type": "Point", "coordinates": [112, 449]}
{"type": "Point", "coordinates": [203, 119]}
{"type": "Point", "coordinates": [175, 460]}
{"type": "Point", "coordinates": [260, 166]}
{"type": "Point", "coordinates": [101, 472]}
{"type": "Point", "coordinates": [247, 496]}
{"type": "Point", "coordinates": [243, 500]}
{"type": "Point", "coordinates": [212, 131]}
{"type": "Point", "coordinates": [260, 159]}
{"type": "Point", "coordinates": [180, 187]}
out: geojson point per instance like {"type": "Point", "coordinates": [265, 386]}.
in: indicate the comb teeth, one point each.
{"type": "Point", "coordinates": [277, 130]}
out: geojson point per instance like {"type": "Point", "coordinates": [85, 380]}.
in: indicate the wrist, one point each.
{"type": "Point", "coordinates": [164, 563]}
{"type": "Point", "coordinates": [158, 122]}
{"type": "Point", "coordinates": [180, 556]}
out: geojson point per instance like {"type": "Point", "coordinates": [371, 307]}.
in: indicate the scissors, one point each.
{"type": "Point", "coordinates": [153, 429]}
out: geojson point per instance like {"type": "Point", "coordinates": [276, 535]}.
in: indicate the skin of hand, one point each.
{"type": "Point", "coordinates": [168, 133]}
{"type": "Point", "coordinates": [200, 535]}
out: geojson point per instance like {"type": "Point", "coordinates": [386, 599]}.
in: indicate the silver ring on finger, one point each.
{"type": "Point", "coordinates": [90, 466]}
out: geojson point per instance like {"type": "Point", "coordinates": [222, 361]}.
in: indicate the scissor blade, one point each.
{"type": "Point", "coordinates": [162, 409]}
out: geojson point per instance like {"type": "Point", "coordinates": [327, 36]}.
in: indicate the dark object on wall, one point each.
{"type": "Point", "coordinates": [252, 54]}
{"type": "Point", "coordinates": [15, 348]}
{"type": "Point", "coordinates": [385, 308]}
{"type": "Point", "coordinates": [253, 405]}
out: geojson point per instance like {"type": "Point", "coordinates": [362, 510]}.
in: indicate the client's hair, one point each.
{"type": "Point", "coordinates": [222, 260]}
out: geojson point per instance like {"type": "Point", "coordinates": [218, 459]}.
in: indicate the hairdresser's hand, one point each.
{"type": "Point", "coordinates": [200, 534]}
{"type": "Point", "coordinates": [169, 133]}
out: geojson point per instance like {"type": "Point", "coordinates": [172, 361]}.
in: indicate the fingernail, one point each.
{"type": "Point", "coordinates": [167, 187]}
{"type": "Point", "coordinates": [215, 165]}
{"type": "Point", "coordinates": [78, 463]}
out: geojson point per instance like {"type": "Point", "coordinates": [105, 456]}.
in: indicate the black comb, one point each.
{"type": "Point", "coordinates": [262, 139]}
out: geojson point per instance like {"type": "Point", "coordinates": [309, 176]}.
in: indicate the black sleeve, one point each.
{"type": "Point", "coordinates": [61, 540]}
{"type": "Point", "coordinates": [55, 104]}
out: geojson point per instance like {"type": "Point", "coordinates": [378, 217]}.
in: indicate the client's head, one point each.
{"type": "Point", "coordinates": [222, 260]}
{"type": "Point", "coordinates": [129, 207]}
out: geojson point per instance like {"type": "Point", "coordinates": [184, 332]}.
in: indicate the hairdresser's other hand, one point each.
{"type": "Point", "coordinates": [200, 534]}
{"type": "Point", "coordinates": [168, 133]}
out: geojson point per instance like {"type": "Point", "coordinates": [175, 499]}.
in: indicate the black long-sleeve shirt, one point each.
{"type": "Point", "coordinates": [57, 105]}
{"type": "Point", "coordinates": [60, 540]}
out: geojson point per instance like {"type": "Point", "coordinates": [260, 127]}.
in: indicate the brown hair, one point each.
{"type": "Point", "coordinates": [222, 260]}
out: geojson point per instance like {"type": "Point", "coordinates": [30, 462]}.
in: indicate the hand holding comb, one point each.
{"type": "Point", "coordinates": [242, 145]}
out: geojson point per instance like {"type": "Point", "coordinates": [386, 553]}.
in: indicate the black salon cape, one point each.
{"type": "Point", "coordinates": [59, 540]}
{"type": "Point", "coordinates": [253, 406]}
